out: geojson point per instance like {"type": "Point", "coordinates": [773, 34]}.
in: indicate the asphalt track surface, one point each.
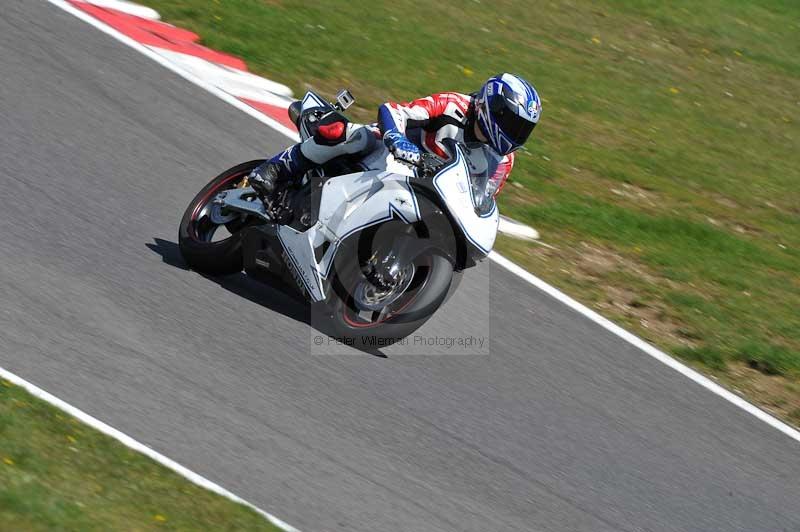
{"type": "Point", "coordinates": [562, 426]}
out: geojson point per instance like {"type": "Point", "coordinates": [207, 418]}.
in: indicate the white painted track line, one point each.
{"type": "Point", "coordinates": [137, 446]}
{"type": "Point", "coordinates": [659, 355]}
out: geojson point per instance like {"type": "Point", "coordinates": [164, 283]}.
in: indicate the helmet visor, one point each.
{"type": "Point", "coordinates": [513, 126]}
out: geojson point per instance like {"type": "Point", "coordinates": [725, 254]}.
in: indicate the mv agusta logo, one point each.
{"type": "Point", "coordinates": [297, 275]}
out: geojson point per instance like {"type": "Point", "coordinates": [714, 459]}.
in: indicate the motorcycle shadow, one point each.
{"type": "Point", "coordinates": [276, 298]}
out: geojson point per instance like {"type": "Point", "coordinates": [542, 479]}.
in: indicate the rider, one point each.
{"type": "Point", "coordinates": [501, 114]}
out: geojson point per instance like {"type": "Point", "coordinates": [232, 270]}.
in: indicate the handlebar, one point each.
{"type": "Point", "coordinates": [429, 164]}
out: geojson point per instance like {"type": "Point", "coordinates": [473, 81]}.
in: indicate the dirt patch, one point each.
{"type": "Point", "coordinates": [745, 229]}
{"type": "Point", "coordinates": [597, 261]}
{"type": "Point", "coordinates": [783, 210]}
{"type": "Point", "coordinates": [635, 194]}
{"type": "Point", "coordinates": [774, 393]}
{"type": "Point", "coordinates": [596, 265]}
{"type": "Point", "coordinates": [726, 202]}
{"type": "Point", "coordinates": [655, 323]}
{"type": "Point", "coordinates": [727, 221]}
{"type": "Point", "coordinates": [517, 194]}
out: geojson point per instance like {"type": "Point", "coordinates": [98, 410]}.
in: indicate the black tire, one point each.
{"type": "Point", "coordinates": [223, 257]}
{"type": "Point", "coordinates": [428, 290]}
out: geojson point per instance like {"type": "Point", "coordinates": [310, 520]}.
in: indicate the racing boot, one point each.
{"type": "Point", "coordinates": [284, 167]}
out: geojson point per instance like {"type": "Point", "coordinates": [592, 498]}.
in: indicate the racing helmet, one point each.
{"type": "Point", "coordinates": [507, 108]}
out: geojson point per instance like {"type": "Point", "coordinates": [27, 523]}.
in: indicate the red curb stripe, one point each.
{"type": "Point", "coordinates": [160, 34]}
{"type": "Point", "coordinates": [276, 112]}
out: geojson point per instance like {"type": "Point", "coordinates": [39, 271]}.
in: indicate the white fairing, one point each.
{"type": "Point", "coordinates": [353, 202]}
{"type": "Point", "coordinates": [349, 203]}
{"type": "Point", "coordinates": [310, 101]}
{"type": "Point", "coordinates": [454, 186]}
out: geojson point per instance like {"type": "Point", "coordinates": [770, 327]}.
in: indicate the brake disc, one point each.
{"type": "Point", "coordinates": [367, 296]}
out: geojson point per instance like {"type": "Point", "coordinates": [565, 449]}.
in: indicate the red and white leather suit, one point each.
{"type": "Point", "coordinates": [427, 121]}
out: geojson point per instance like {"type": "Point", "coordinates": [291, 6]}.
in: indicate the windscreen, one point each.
{"type": "Point", "coordinates": [483, 162]}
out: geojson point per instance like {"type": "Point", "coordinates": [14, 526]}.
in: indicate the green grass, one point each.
{"type": "Point", "coordinates": [668, 143]}
{"type": "Point", "coordinates": [58, 474]}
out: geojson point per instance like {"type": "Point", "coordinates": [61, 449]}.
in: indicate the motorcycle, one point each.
{"type": "Point", "coordinates": [375, 244]}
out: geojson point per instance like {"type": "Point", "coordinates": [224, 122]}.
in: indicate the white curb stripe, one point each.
{"type": "Point", "coordinates": [137, 446]}
{"type": "Point", "coordinates": [237, 82]}
{"type": "Point", "coordinates": [126, 7]}
{"type": "Point", "coordinates": [659, 355]}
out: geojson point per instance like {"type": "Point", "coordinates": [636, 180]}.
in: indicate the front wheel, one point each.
{"type": "Point", "coordinates": [209, 237]}
{"type": "Point", "coordinates": [369, 315]}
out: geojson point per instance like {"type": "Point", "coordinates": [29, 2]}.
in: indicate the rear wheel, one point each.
{"type": "Point", "coordinates": [209, 237]}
